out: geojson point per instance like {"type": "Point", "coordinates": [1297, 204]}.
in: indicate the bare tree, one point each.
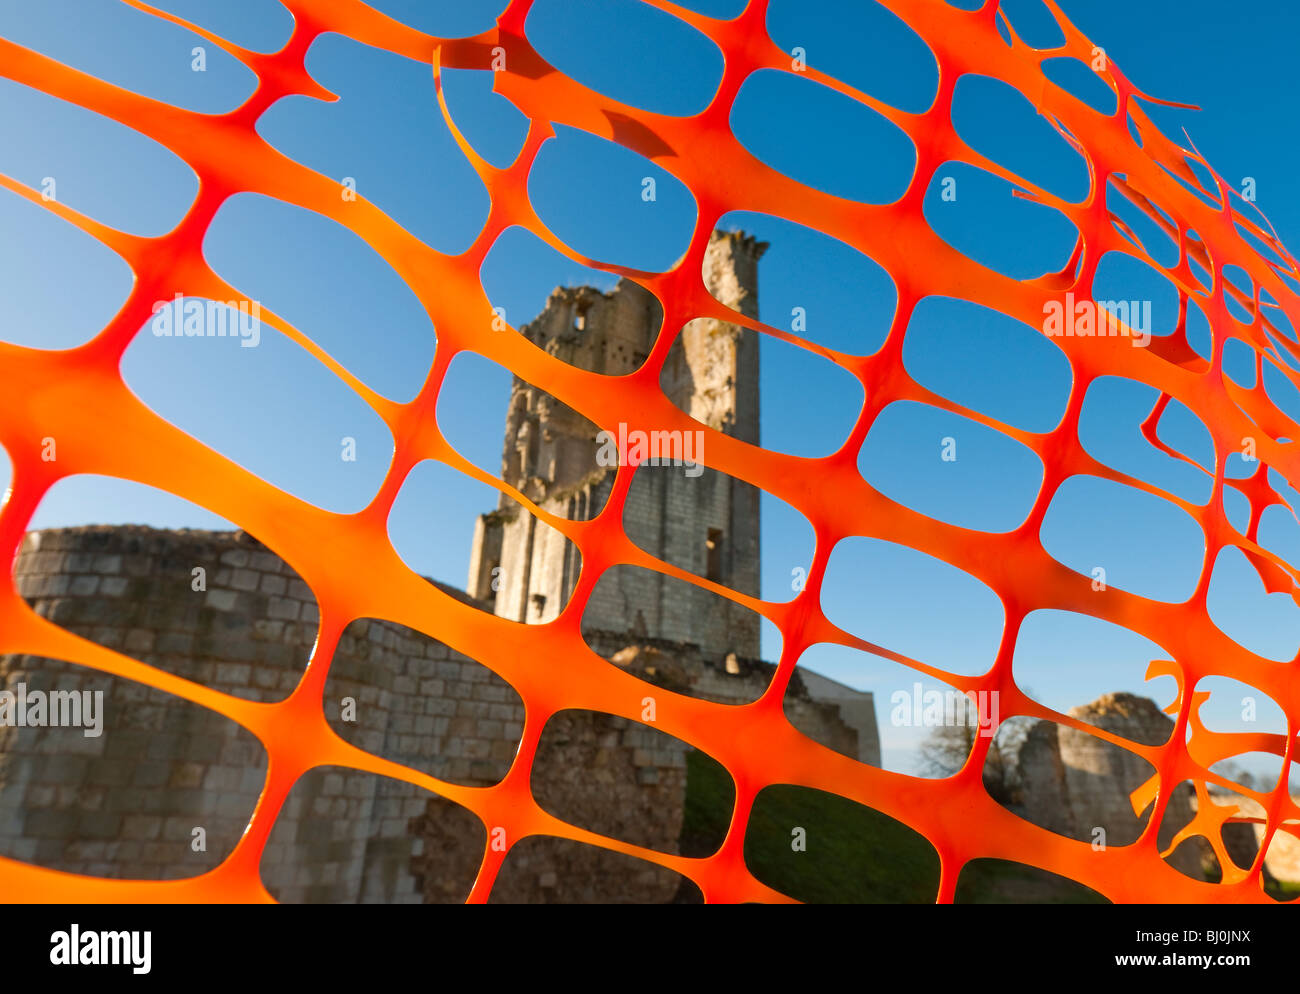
{"type": "Point", "coordinates": [948, 747]}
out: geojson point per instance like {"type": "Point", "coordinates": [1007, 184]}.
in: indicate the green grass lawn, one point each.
{"type": "Point", "coordinates": [854, 855]}
{"type": "Point", "coordinates": [997, 881]}
{"type": "Point", "coordinates": [1283, 890]}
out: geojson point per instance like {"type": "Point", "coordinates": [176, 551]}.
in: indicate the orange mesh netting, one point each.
{"type": "Point", "coordinates": [79, 398]}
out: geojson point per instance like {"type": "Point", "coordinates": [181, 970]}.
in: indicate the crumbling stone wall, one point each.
{"type": "Point", "coordinates": [609, 775]}
{"type": "Point", "coordinates": [856, 709]}
{"type": "Point", "coordinates": [246, 630]}
{"type": "Point", "coordinates": [124, 804]}
{"type": "Point", "coordinates": [349, 836]}
{"type": "Point", "coordinates": [1072, 783]}
{"type": "Point", "coordinates": [685, 669]}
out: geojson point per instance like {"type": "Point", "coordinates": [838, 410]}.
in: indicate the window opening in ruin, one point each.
{"type": "Point", "coordinates": [713, 548]}
{"type": "Point", "coordinates": [580, 315]}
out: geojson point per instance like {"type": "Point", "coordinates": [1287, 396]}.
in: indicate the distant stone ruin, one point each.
{"type": "Point", "coordinates": [1074, 784]}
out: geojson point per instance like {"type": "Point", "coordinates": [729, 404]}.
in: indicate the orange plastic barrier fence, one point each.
{"type": "Point", "coordinates": [79, 398]}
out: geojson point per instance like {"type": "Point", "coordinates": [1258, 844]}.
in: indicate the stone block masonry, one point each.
{"type": "Point", "coordinates": [246, 630]}
{"type": "Point", "coordinates": [125, 804]}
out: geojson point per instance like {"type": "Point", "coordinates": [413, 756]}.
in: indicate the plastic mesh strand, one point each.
{"type": "Point", "coordinates": [78, 397]}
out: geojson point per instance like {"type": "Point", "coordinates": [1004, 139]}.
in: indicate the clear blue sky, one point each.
{"type": "Point", "coordinates": [277, 412]}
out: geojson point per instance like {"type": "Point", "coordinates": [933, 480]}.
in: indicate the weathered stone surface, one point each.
{"type": "Point", "coordinates": [1075, 783]}
{"type": "Point", "coordinates": [548, 870]}
{"type": "Point", "coordinates": [82, 804]}
{"type": "Point", "coordinates": [1072, 783]}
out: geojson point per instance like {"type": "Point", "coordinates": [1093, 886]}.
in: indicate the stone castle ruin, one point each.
{"type": "Point", "coordinates": [703, 521]}
{"type": "Point", "coordinates": [126, 803]}
{"type": "Point", "coordinates": [1074, 784]}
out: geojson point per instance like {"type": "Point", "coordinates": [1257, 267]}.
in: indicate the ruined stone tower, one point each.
{"type": "Point", "coordinates": [705, 522]}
